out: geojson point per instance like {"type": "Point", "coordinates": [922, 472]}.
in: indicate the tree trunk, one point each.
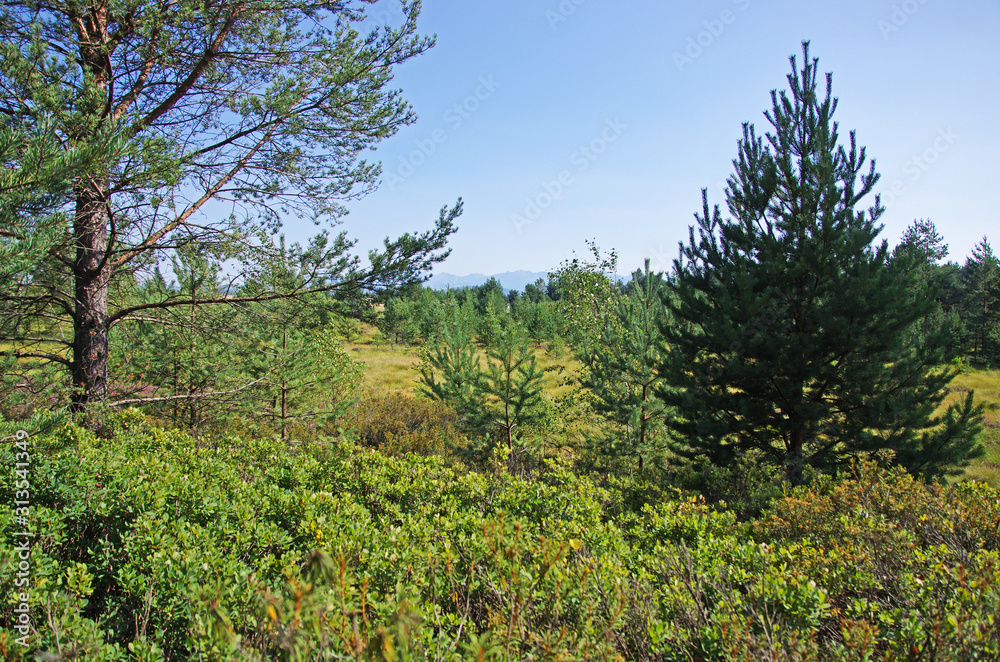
{"type": "Point", "coordinates": [793, 457]}
{"type": "Point", "coordinates": [284, 384]}
{"type": "Point", "coordinates": [90, 273]}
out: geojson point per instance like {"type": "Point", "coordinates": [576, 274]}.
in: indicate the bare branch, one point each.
{"type": "Point", "coordinates": [39, 355]}
{"type": "Point", "coordinates": [186, 396]}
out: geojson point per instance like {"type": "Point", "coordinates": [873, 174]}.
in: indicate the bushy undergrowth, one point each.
{"type": "Point", "coordinates": [153, 546]}
{"type": "Point", "coordinates": [397, 424]}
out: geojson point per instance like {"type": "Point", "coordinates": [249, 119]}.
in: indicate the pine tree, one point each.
{"type": "Point", "coordinates": [299, 373]}
{"type": "Point", "coordinates": [490, 325]}
{"type": "Point", "coordinates": [267, 107]}
{"type": "Point", "coordinates": [178, 361]}
{"type": "Point", "coordinates": [511, 390]}
{"type": "Point", "coordinates": [36, 174]}
{"type": "Point", "coordinates": [622, 372]}
{"type": "Point", "coordinates": [398, 322]}
{"type": "Point", "coordinates": [304, 377]}
{"type": "Point", "coordinates": [792, 325]}
{"type": "Point", "coordinates": [494, 401]}
{"type": "Point", "coordinates": [981, 305]}
{"type": "Point", "coordinates": [450, 370]}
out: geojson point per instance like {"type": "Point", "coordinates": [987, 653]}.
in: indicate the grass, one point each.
{"type": "Point", "coordinates": [986, 384]}
{"type": "Point", "coordinates": [393, 369]}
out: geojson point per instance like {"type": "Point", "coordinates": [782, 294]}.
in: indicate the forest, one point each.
{"type": "Point", "coordinates": [219, 444]}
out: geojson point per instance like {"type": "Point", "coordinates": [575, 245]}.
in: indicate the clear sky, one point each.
{"type": "Point", "coordinates": [561, 121]}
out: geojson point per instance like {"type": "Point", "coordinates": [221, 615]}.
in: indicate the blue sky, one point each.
{"type": "Point", "coordinates": [561, 121]}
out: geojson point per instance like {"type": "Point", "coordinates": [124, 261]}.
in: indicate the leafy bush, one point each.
{"type": "Point", "coordinates": [151, 545]}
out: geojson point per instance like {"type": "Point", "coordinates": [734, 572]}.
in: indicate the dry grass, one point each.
{"type": "Point", "coordinates": [986, 384]}
{"type": "Point", "coordinates": [387, 369]}
{"type": "Point", "coordinates": [394, 369]}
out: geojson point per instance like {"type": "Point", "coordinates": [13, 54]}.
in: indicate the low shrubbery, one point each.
{"type": "Point", "coordinates": [151, 545]}
{"type": "Point", "coordinates": [397, 424]}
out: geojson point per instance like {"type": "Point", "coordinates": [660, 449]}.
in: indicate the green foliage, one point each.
{"type": "Point", "coordinates": [793, 329]}
{"type": "Point", "coordinates": [35, 175]}
{"type": "Point", "coordinates": [587, 295]}
{"type": "Point", "coordinates": [512, 385]}
{"type": "Point", "coordinates": [493, 401]}
{"type": "Point", "coordinates": [450, 370]}
{"type": "Point", "coordinates": [268, 105]}
{"type": "Point", "coordinates": [171, 357]}
{"type": "Point", "coordinates": [621, 373]}
{"type": "Point", "coordinates": [398, 321]}
{"type": "Point", "coordinates": [275, 364]}
{"type": "Point", "coordinates": [152, 545]}
{"type": "Point", "coordinates": [981, 305]}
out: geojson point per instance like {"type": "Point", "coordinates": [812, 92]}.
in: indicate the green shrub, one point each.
{"type": "Point", "coordinates": [151, 545]}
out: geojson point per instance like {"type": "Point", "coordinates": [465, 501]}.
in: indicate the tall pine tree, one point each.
{"type": "Point", "coordinates": [792, 326]}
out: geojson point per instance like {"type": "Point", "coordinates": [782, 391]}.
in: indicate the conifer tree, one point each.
{"type": "Point", "coordinates": [494, 401]}
{"type": "Point", "coordinates": [792, 327]}
{"type": "Point", "coordinates": [511, 390]}
{"type": "Point", "coordinates": [622, 372]}
{"type": "Point", "coordinates": [299, 373]}
{"type": "Point", "coordinates": [178, 361]}
{"type": "Point", "coordinates": [981, 305]}
{"type": "Point", "coordinates": [450, 370]}
{"type": "Point", "coordinates": [919, 253]}
{"type": "Point", "coordinates": [264, 108]}
{"type": "Point", "coordinates": [304, 377]}
{"type": "Point", "coordinates": [36, 173]}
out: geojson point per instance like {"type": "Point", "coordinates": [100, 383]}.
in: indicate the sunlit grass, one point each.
{"type": "Point", "coordinates": [394, 369]}
{"type": "Point", "coordinates": [33, 366]}
{"type": "Point", "coordinates": [986, 384]}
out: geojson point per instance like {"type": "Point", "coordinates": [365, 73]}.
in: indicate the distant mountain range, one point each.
{"type": "Point", "coordinates": [511, 280]}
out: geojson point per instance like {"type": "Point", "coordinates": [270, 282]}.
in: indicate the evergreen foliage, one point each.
{"type": "Point", "coordinates": [792, 325]}
{"type": "Point", "coordinates": [451, 371]}
{"type": "Point", "coordinates": [981, 305]}
{"type": "Point", "coordinates": [492, 401]}
{"type": "Point", "coordinates": [511, 389]}
{"type": "Point", "coordinates": [622, 372]}
{"type": "Point", "coordinates": [265, 106]}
